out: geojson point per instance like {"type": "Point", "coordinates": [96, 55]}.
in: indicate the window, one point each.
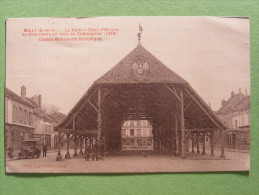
{"type": "Point", "coordinates": [139, 141]}
{"type": "Point", "coordinates": [235, 124]}
{"type": "Point", "coordinates": [20, 115]}
{"type": "Point", "coordinates": [131, 132]}
{"type": "Point", "coordinates": [131, 123]}
{"type": "Point", "coordinates": [14, 113]}
{"type": "Point", "coordinates": [26, 117]}
{"type": "Point", "coordinates": [138, 122]}
{"type": "Point", "coordinates": [30, 118]}
{"type": "Point", "coordinates": [123, 132]}
{"type": "Point", "coordinates": [131, 141]}
{"type": "Point", "coordinates": [138, 132]}
{"type": "Point", "coordinates": [149, 142]}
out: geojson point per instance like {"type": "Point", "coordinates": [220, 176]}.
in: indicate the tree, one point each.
{"type": "Point", "coordinates": [53, 111]}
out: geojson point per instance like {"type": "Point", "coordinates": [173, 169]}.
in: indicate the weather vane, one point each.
{"type": "Point", "coordinates": [139, 33]}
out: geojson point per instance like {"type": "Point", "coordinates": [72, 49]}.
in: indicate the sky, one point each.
{"type": "Point", "coordinates": [211, 53]}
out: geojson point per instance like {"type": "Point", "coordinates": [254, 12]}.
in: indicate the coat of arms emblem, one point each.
{"type": "Point", "coordinates": [140, 66]}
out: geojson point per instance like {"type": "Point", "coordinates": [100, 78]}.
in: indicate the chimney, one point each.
{"type": "Point", "coordinates": [232, 94]}
{"type": "Point", "coordinates": [223, 102]}
{"type": "Point", "coordinates": [37, 100]}
{"type": "Point", "coordinates": [23, 92]}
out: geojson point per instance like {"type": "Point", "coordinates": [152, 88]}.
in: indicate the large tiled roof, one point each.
{"type": "Point", "coordinates": [141, 67]}
{"type": "Point", "coordinates": [238, 102]}
{"type": "Point", "coordinates": [244, 104]}
{"type": "Point", "coordinates": [124, 71]}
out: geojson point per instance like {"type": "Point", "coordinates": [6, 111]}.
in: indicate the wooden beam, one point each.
{"type": "Point", "coordinates": [212, 143]}
{"type": "Point", "coordinates": [99, 127]}
{"type": "Point", "coordinates": [107, 92]}
{"type": "Point", "coordinates": [92, 105]}
{"type": "Point", "coordinates": [173, 91]}
{"type": "Point", "coordinates": [77, 132]}
{"type": "Point", "coordinates": [71, 114]}
{"type": "Point", "coordinates": [203, 109]}
{"type": "Point", "coordinates": [182, 123]}
{"type": "Point", "coordinates": [176, 136]}
{"type": "Point", "coordinates": [74, 123]}
{"type": "Point", "coordinates": [201, 129]}
{"type": "Point", "coordinates": [188, 105]}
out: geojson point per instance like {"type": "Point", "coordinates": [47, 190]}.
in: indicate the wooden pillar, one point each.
{"type": "Point", "coordinates": [157, 148]}
{"type": "Point", "coordinates": [85, 143]}
{"type": "Point", "coordinates": [212, 143]}
{"type": "Point", "coordinates": [75, 136]}
{"type": "Point", "coordinates": [182, 123]}
{"type": "Point", "coordinates": [192, 143]}
{"type": "Point", "coordinates": [160, 139]}
{"type": "Point", "coordinates": [203, 143]}
{"type": "Point", "coordinates": [67, 156]}
{"type": "Point", "coordinates": [81, 145]}
{"type": "Point", "coordinates": [222, 155]}
{"type": "Point", "coordinates": [197, 140]}
{"type": "Point", "coordinates": [59, 156]}
{"type": "Point", "coordinates": [187, 144]}
{"type": "Point", "coordinates": [176, 136]}
{"type": "Point", "coordinates": [99, 120]}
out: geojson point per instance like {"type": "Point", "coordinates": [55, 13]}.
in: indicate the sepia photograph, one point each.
{"type": "Point", "coordinates": [127, 94]}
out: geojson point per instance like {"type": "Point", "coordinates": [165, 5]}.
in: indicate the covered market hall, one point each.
{"type": "Point", "coordinates": [140, 87]}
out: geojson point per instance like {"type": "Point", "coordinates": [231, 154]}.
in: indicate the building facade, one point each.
{"type": "Point", "coordinates": [235, 113]}
{"type": "Point", "coordinates": [18, 119]}
{"type": "Point", "coordinates": [25, 118]}
{"type": "Point", "coordinates": [137, 135]}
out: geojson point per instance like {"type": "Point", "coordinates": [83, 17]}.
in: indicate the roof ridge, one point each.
{"type": "Point", "coordinates": [140, 66]}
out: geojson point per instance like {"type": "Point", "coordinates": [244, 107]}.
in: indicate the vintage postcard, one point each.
{"type": "Point", "coordinates": [127, 94]}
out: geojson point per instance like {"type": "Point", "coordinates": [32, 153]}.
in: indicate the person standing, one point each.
{"type": "Point", "coordinates": [87, 150]}
{"type": "Point", "coordinates": [95, 149]}
{"type": "Point", "coordinates": [44, 149]}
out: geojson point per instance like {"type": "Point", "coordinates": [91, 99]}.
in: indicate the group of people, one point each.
{"type": "Point", "coordinates": [95, 148]}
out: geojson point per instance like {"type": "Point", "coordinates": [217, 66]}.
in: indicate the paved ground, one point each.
{"type": "Point", "coordinates": [134, 163]}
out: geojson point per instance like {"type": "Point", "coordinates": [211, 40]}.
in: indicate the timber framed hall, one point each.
{"type": "Point", "coordinates": [140, 87]}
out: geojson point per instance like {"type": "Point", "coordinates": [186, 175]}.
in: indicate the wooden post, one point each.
{"type": "Point", "coordinates": [59, 156]}
{"type": "Point", "coordinates": [156, 136]}
{"type": "Point", "coordinates": [197, 140]}
{"type": "Point", "coordinates": [160, 139]}
{"type": "Point", "coordinates": [76, 142]}
{"type": "Point", "coordinates": [75, 136]}
{"type": "Point", "coordinates": [176, 136]}
{"type": "Point", "coordinates": [222, 155]}
{"type": "Point", "coordinates": [212, 143]}
{"type": "Point", "coordinates": [182, 123]}
{"type": "Point", "coordinates": [203, 143]}
{"type": "Point", "coordinates": [67, 156]}
{"type": "Point", "coordinates": [81, 145]}
{"type": "Point", "coordinates": [187, 144]}
{"type": "Point", "coordinates": [85, 143]}
{"type": "Point", "coordinates": [192, 143]}
{"type": "Point", "coordinates": [99, 130]}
